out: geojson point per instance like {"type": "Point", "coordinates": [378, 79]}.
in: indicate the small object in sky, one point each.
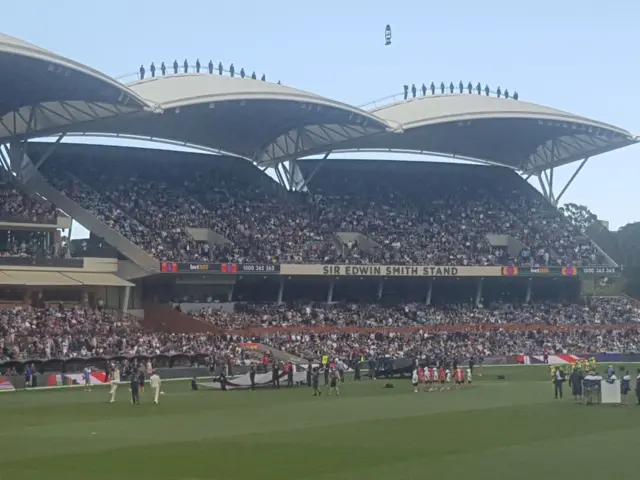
{"type": "Point", "coordinates": [387, 35]}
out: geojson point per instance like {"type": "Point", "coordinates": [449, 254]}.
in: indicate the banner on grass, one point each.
{"type": "Point", "coordinates": [261, 380]}
{"type": "Point", "coordinates": [5, 384]}
{"type": "Point", "coordinates": [551, 359]}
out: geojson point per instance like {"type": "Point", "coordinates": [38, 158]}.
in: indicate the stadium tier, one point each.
{"type": "Point", "coordinates": [311, 331]}
{"type": "Point", "coordinates": [356, 212]}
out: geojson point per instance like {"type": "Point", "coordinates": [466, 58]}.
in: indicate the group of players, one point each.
{"type": "Point", "coordinates": [428, 378]}
{"type": "Point", "coordinates": [136, 379]}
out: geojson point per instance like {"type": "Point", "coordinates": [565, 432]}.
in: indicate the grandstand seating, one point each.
{"type": "Point", "coordinates": [30, 333]}
{"type": "Point", "coordinates": [399, 212]}
{"type": "Point", "coordinates": [18, 207]}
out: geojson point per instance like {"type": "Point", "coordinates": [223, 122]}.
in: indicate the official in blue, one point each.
{"type": "Point", "coordinates": [638, 386]}
{"type": "Point", "coordinates": [558, 380]}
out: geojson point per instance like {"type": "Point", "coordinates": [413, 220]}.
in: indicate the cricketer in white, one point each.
{"type": "Point", "coordinates": [115, 378]}
{"type": "Point", "coordinates": [155, 387]}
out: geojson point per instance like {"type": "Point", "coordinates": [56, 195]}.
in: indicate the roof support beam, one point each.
{"type": "Point", "coordinates": [4, 160]}
{"type": "Point", "coordinates": [281, 175]}
{"type": "Point", "coordinates": [549, 189]}
{"type": "Point", "coordinates": [315, 170]}
{"type": "Point", "coordinates": [49, 151]}
{"type": "Point", "coordinates": [32, 120]}
{"type": "Point", "coordinates": [573, 177]}
{"type": "Point", "coordinates": [546, 183]}
{"type": "Point", "coordinates": [543, 187]}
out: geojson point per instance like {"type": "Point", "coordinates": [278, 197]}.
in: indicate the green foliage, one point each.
{"type": "Point", "coordinates": [579, 215]}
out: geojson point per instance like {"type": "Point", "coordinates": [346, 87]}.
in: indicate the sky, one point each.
{"type": "Point", "coordinates": [566, 55]}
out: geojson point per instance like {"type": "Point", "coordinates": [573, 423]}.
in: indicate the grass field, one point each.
{"type": "Point", "coordinates": [511, 429]}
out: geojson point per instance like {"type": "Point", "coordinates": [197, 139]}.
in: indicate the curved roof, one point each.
{"type": "Point", "coordinates": [246, 117]}
{"type": "Point", "coordinates": [517, 134]}
{"type": "Point", "coordinates": [43, 91]}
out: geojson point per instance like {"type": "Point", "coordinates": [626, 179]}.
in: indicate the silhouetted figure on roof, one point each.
{"type": "Point", "coordinates": [175, 66]}
{"type": "Point", "coordinates": [142, 71]}
{"type": "Point", "coordinates": [242, 74]}
{"type": "Point", "coordinates": [253, 76]}
{"type": "Point", "coordinates": [479, 88]}
{"type": "Point", "coordinates": [424, 89]}
{"type": "Point", "coordinates": [486, 90]}
{"type": "Point", "coordinates": [470, 88]}
{"type": "Point", "coordinates": [152, 69]}
{"type": "Point", "coordinates": [432, 87]}
{"type": "Point", "coordinates": [442, 87]}
{"type": "Point", "coordinates": [498, 92]}
{"type": "Point", "coordinates": [451, 87]}
{"type": "Point", "coordinates": [232, 70]}
{"type": "Point", "coordinates": [279, 82]}
{"type": "Point", "coordinates": [406, 91]}
{"type": "Point", "coordinates": [506, 93]}
{"type": "Point", "coordinates": [515, 95]}
{"type": "Point", "coordinates": [461, 87]}
{"type": "Point", "coordinates": [263, 78]}
{"type": "Point", "coordinates": [185, 65]}
{"type": "Point", "coordinates": [210, 67]}
{"type": "Point", "coordinates": [198, 65]}
{"type": "Point", "coordinates": [413, 90]}
{"type": "Point", "coordinates": [220, 69]}
{"type": "Point", "coordinates": [163, 69]}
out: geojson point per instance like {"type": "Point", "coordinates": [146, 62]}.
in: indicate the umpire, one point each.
{"type": "Point", "coordinates": [558, 380]}
{"type": "Point", "coordinates": [135, 389]}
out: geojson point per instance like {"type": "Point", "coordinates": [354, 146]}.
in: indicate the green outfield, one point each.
{"type": "Point", "coordinates": [496, 429]}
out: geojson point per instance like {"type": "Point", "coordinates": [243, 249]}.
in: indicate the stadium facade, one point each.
{"type": "Point", "coordinates": [146, 208]}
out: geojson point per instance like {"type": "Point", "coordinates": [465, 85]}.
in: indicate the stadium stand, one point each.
{"type": "Point", "coordinates": [423, 258]}
{"type": "Point", "coordinates": [397, 213]}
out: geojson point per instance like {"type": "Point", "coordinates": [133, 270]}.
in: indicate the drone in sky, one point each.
{"type": "Point", "coordinates": [387, 35]}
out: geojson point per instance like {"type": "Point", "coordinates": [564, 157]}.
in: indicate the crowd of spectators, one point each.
{"type": "Point", "coordinates": [592, 311]}
{"type": "Point", "coordinates": [31, 333]}
{"type": "Point", "coordinates": [408, 212]}
{"type": "Point", "coordinates": [16, 206]}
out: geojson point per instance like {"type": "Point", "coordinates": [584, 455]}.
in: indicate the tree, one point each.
{"type": "Point", "coordinates": [579, 215]}
{"type": "Point", "coordinates": [628, 243]}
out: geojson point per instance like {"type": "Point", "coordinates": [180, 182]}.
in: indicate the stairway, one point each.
{"type": "Point", "coordinates": [37, 183]}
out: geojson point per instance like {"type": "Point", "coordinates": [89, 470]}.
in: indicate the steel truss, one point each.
{"type": "Point", "coordinates": [290, 176]}
{"type": "Point", "coordinates": [311, 140]}
{"type": "Point", "coordinates": [52, 117]}
{"type": "Point", "coordinates": [545, 179]}
{"type": "Point", "coordinates": [14, 158]}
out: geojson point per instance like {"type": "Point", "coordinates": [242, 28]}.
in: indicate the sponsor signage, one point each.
{"type": "Point", "coordinates": [389, 271]}
{"type": "Point", "coordinates": [559, 271]}
{"type": "Point", "coordinates": [220, 268]}
{"type": "Point", "coordinates": [381, 270]}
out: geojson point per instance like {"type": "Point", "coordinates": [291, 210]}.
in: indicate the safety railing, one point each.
{"type": "Point", "coordinates": [203, 69]}
{"type": "Point", "coordinates": [402, 96]}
